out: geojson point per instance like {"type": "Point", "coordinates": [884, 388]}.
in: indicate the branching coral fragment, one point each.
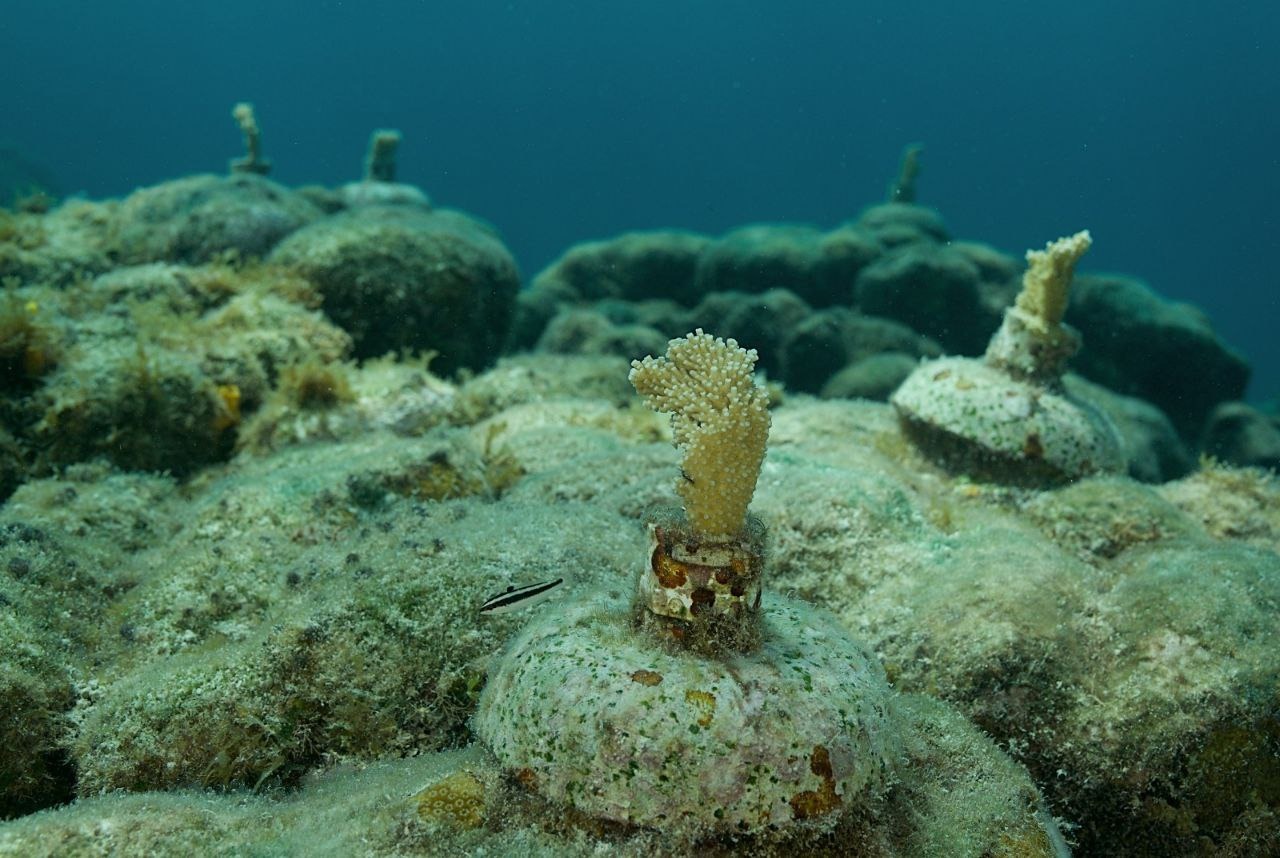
{"type": "Point", "coordinates": [719, 419]}
{"type": "Point", "coordinates": [1045, 285]}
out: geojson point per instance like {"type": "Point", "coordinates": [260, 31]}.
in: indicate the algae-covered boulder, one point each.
{"type": "Point", "coordinates": [163, 361]}
{"type": "Point", "coordinates": [826, 341]}
{"type": "Point", "coordinates": [633, 266]}
{"type": "Point", "coordinates": [198, 218]}
{"type": "Point", "coordinates": [816, 349]}
{"type": "Point", "coordinates": [36, 679]}
{"type": "Point", "coordinates": [957, 795]}
{"type": "Point", "coordinates": [1178, 719]}
{"type": "Point", "coordinates": [533, 308]}
{"type": "Point", "coordinates": [1021, 606]}
{"type": "Point", "coordinates": [1150, 445]}
{"type": "Point", "coordinates": [818, 267]}
{"type": "Point", "coordinates": [963, 799]}
{"type": "Point", "coordinates": [760, 257]}
{"type": "Point", "coordinates": [65, 546]}
{"type": "Point", "coordinates": [896, 224]}
{"type": "Point", "coordinates": [1156, 690]}
{"type": "Point", "coordinates": [159, 286]}
{"type": "Point", "coordinates": [588, 332]}
{"type": "Point", "coordinates": [930, 288]}
{"type": "Point", "coordinates": [767, 319]}
{"type": "Point", "coordinates": [687, 267]}
{"type": "Point", "coordinates": [57, 247]}
{"type": "Point", "coordinates": [998, 274]}
{"type": "Point", "coordinates": [1238, 504]}
{"type": "Point", "coordinates": [144, 408]}
{"type": "Point", "coordinates": [994, 642]}
{"type": "Point", "coordinates": [1238, 433]}
{"type": "Point", "coordinates": [846, 250]}
{"type": "Point", "coordinates": [1139, 344]}
{"type": "Point", "coordinates": [399, 278]}
{"type": "Point", "coordinates": [873, 377]}
{"type": "Point", "coordinates": [996, 268]}
{"type": "Point", "coordinates": [254, 650]}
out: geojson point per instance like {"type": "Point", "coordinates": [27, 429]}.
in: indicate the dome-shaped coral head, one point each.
{"type": "Point", "coordinates": [720, 421]}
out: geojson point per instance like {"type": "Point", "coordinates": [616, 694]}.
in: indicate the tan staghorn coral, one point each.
{"type": "Point", "coordinates": [719, 418]}
{"type": "Point", "coordinates": [1048, 276]}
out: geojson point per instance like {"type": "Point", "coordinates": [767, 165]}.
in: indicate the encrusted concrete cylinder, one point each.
{"type": "Point", "coordinates": [702, 594]}
{"type": "Point", "coordinates": [1030, 351]}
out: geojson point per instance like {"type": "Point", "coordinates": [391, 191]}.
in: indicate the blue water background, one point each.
{"type": "Point", "coordinates": [1155, 123]}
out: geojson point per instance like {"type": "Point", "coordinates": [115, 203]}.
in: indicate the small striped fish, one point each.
{"type": "Point", "coordinates": [513, 598]}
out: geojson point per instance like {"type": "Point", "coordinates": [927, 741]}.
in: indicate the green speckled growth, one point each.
{"type": "Point", "coordinates": [978, 419]}
{"type": "Point", "coordinates": [590, 714]}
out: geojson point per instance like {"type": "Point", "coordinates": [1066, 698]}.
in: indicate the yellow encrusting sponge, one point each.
{"type": "Point", "coordinates": [720, 420]}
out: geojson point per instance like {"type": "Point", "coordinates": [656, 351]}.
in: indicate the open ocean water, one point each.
{"type": "Point", "coordinates": [1153, 123]}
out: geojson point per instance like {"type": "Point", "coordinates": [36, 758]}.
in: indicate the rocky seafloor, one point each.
{"type": "Point", "coordinates": [266, 451]}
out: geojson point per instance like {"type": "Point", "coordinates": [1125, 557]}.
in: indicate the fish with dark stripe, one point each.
{"type": "Point", "coordinates": [514, 598]}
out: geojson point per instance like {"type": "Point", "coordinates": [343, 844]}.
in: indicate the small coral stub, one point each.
{"type": "Point", "coordinates": [903, 189]}
{"type": "Point", "coordinates": [380, 162]}
{"type": "Point", "coordinates": [720, 420]}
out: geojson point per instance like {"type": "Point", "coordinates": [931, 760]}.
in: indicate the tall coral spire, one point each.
{"type": "Point", "coordinates": [1048, 277]}
{"type": "Point", "coordinates": [252, 162]}
{"type": "Point", "coordinates": [1033, 343]}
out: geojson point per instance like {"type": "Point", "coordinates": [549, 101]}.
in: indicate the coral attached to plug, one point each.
{"type": "Point", "coordinates": [379, 186]}
{"type": "Point", "coordinates": [697, 709]}
{"type": "Point", "coordinates": [252, 162]}
{"type": "Point", "coordinates": [704, 579]}
{"type": "Point", "coordinates": [1007, 417]}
